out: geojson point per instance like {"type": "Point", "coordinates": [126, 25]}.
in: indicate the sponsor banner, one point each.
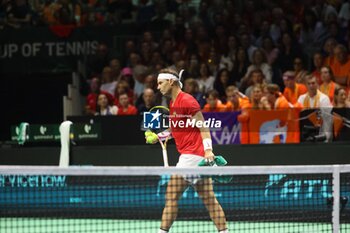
{"type": "Point", "coordinates": [51, 133]}
{"type": "Point", "coordinates": [260, 197]}
{"type": "Point", "coordinates": [38, 133]}
{"type": "Point", "coordinates": [87, 131]}
{"type": "Point", "coordinates": [55, 49]}
{"type": "Point", "coordinates": [277, 126]}
{"type": "Point", "coordinates": [229, 132]}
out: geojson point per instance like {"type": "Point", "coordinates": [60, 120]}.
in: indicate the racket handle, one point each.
{"type": "Point", "coordinates": [165, 157]}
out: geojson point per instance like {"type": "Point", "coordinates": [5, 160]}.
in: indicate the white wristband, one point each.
{"type": "Point", "coordinates": [207, 144]}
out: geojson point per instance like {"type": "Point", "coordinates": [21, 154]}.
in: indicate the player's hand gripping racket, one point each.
{"type": "Point", "coordinates": [160, 133]}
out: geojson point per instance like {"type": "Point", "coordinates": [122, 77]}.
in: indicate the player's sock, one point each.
{"type": "Point", "coordinates": [224, 231]}
{"type": "Point", "coordinates": [162, 231]}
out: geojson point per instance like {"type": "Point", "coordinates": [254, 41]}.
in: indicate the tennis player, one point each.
{"type": "Point", "coordinates": [194, 144]}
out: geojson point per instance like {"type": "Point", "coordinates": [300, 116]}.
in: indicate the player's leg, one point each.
{"type": "Point", "coordinates": [175, 188]}
{"type": "Point", "coordinates": [205, 191]}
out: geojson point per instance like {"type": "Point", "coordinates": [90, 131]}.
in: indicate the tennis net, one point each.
{"type": "Point", "coordinates": [255, 199]}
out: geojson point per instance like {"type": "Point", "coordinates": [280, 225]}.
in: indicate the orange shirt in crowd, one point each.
{"type": "Point", "coordinates": [282, 103]}
{"type": "Point", "coordinates": [130, 110]}
{"type": "Point", "coordinates": [328, 89]}
{"type": "Point", "coordinates": [218, 108]}
{"type": "Point", "coordinates": [329, 60]}
{"type": "Point", "coordinates": [293, 95]}
{"type": "Point", "coordinates": [317, 74]}
{"type": "Point", "coordinates": [243, 103]}
{"type": "Point", "coordinates": [342, 70]}
{"type": "Point", "coordinates": [49, 13]}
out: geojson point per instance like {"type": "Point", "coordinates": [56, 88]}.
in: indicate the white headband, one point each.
{"type": "Point", "coordinates": [167, 76]}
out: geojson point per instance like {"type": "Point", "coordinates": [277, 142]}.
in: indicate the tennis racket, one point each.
{"type": "Point", "coordinates": [161, 132]}
{"type": "Point", "coordinates": [163, 138]}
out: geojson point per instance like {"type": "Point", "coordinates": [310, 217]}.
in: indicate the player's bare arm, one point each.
{"type": "Point", "coordinates": [205, 133]}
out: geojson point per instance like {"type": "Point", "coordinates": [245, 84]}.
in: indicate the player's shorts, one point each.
{"type": "Point", "coordinates": [188, 161]}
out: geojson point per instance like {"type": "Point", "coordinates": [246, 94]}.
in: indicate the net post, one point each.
{"type": "Point", "coordinates": [65, 143]}
{"type": "Point", "coordinates": [336, 198]}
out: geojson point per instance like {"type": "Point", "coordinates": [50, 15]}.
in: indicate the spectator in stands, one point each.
{"type": "Point", "coordinates": [146, 53]}
{"type": "Point", "coordinates": [203, 43]}
{"type": "Point", "coordinates": [68, 13]}
{"type": "Point", "coordinates": [125, 108]}
{"type": "Point", "coordinates": [275, 29]}
{"type": "Point", "coordinates": [150, 83]}
{"type": "Point", "coordinates": [318, 62]}
{"type": "Point", "coordinates": [289, 50]}
{"type": "Point", "coordinates": [335, 32]}
{"type": "Point", "coordinates": [341, 66]}
{"type": "Point", "coordinates": [48, 12]}
{"type": "Point", "coordinates": [145, 12]}
{"type": "Point", "coordinates": [292, 89]}
{"type": "Point", "coordinates": [254, 77]}
{"type": "Point", "coordinates": [139, 73]}
{"type": "Point", "coordinates": [148, 98]}
{"type": "Point", "coordinates": [103, 106]}
{"type": "Point", "coordinates": [4, 5]}
{"type": "Point", "coordinates": [148, 38]}
{"type": "Point", "coordinates": [328, 86]}
{"type": "Point", "coordinates": [344, 14]}
{"type": "Point", "coordinates": [134, 60]}
{"type": "Point", "coordinates": [312, 33]}
{"type": "Point", "coordinates": [213, 61]}
{"type": "Point", "coordinates": [246, 43]}
{"type": "Point", "coordinates": [213, 103]}
{"type": "Point", "coordinates": [205, 79]}
{"type": "Point", "coordinates": [316, 99]}
{"type": "Point", "coordinates": [328, 49]}
{"type": "Point", "coordinates": [268, 45]}
{"type": "Point", "coordinates": [130, 47]}
{"type": "Point", "coordinates": [300, 72]}
{"type": "Point", "coordinates": [193, 65]}
{"type": "Point", "coordinates": [156, 59]}
{"type": "Point", "coordinates": [235, 100]}
{"type": "Point", "coordinates": [114, 64]}
{"type": "Point", "coordinates": [108, 83]}
{"type": "Point", "coordinates": [166, 49]}
{"type": "Point", "coordinates": [121, 88]}
{"type": "Point", "coordinates": [259, 61]}
{"type": "Point", "coordinates": [275, 98]}
{"type": "Point", "coordinates": [98, 60]}
{"type": "Point", "coordinates": [220, 39]}
{"type": "Point", "coordinates": [255, 98]}
{"type": "Point", "coordinates": [229, 56]}
{"type": "Point", "coordinates": [340, 98]}
{"type": "Point", "coordinates": [118, 11]}
{"type": "Point", "coordinates": [19, 14]}
{"type": "Point", "coordinates": [91, 18]}
{"type": "Point", "coordinates": [191, 87]}
{"type": "Point", "coordinates": [264, 31]}
{"type": "Point", "coordinates": [222, 81]}
{"type": "Point", "coordinates": [91, 99]}
{"type": "Point", "coordinates": [313, 98]}
{"type": "Point", "coordinates": [126, 75]}
{"type": "Point", "coordinates": [187, 45]}
{"type": "Point", "coordinates": [240, 66]}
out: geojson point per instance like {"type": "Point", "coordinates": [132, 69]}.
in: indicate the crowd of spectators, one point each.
{"type": "Point", "coordinates": [236, 55]}
{"type": "Point", "coordinates": [25, 13]}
